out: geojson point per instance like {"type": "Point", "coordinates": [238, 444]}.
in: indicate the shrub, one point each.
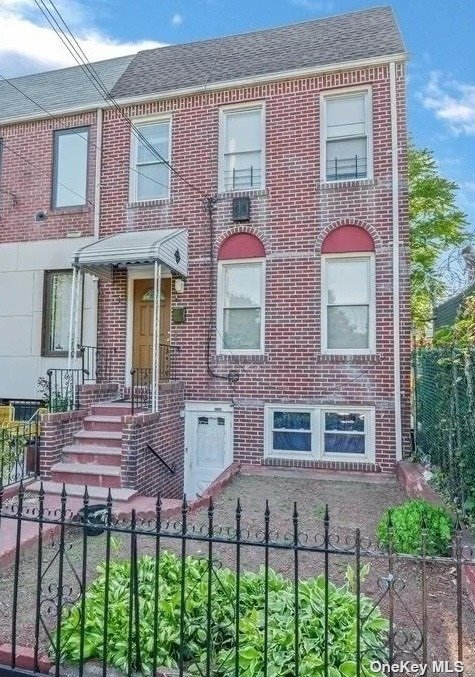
{"type": "Point", "coordinates": [342, 625]}
{"type": "Point", "coordinates": [407, 523]}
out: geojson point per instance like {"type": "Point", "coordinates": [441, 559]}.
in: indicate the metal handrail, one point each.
{"type": "Point", "coordinates": [170, 468]}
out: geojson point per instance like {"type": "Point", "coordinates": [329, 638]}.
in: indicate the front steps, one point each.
{"type": "Point", "coordinates": [94, 459]}
{"type": "Point", "coordinates": [119, 495]}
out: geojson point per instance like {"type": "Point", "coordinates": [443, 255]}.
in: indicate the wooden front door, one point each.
{"type": "Point", "coordinates": [143, 320]}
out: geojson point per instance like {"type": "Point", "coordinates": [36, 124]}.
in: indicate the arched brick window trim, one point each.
{"type": "Point", "coordinates": [241, 246]}
{"type": "Point", "coordinates": [347, 239]}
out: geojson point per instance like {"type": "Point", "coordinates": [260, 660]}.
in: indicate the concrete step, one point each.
{"type": "Point", "coordinates": [84, 453]}
{"type": "Point", "coordinates": [111, 409]}
{"type": "Point", "coordinates": [103, 423]}
{"type": "Point", "coordinates": [121, 495]}
{"type": "Point", "coordinates": [99, 438]}
{"type": "Point", "coordinates": [91, 475]}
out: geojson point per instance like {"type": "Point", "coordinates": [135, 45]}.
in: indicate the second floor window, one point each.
{"type": "Point", "coordinates": [150, 175]}
{"type": "Point", "coordinates": [241, 149]}
{"type": "Point", "coordinates": [70, 167]}
{"type": "Point", "coordinates": [346, 137]}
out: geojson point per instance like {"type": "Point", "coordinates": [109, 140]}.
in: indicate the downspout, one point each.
{"type": "Point", "coordinates": [395, 253]}
{"type": "Point", "coordinates": [97, 221]}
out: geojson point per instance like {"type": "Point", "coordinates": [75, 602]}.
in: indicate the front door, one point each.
{"type": "Point", "coordinates": [143, 321]}
{"type": "Point", "coordinates": [208, 444]}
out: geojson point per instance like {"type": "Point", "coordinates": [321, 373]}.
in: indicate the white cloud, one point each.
{"type": "Point", "coordinates": [314, 5]}
{"type": "Point", "coordinates": [29, 44]}
{"type": "Point", "coordinates": [177, 20]}
{"type": "Point", "coordinates": [452, 101]}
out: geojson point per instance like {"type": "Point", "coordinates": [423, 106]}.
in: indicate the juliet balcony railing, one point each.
{"type": "Point", "coordinates": [346, 169]}
{"type": "Point", "coordinates": [249, 177]}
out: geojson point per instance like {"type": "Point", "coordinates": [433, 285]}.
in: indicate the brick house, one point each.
{"type": "Point", "coordinates": [242, 248]}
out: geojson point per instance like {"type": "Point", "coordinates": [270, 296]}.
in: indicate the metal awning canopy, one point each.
{"type": "Point", "coordinates": [168, 246]}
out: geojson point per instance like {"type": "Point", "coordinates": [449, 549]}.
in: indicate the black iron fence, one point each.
{"type": "Point", "coordinates": [96, 363]}
{"type": "Point", "coordinates": [19, 449]}
{"type": "Point", "coordinates": [191, 597]}
{"type": "Point", "coordinates": [63, 388]}
{"type": "Point", "coordinates": [141, 388]}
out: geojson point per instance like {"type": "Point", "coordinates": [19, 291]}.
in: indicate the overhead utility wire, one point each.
{"type": "Point", "coordinates": [80, 57]}
{"type": "Point", "coordinates": [58, 118]}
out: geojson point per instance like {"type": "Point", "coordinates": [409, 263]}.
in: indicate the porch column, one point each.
{"type": "Point", "coordinates": [72, 318]}
{"type": "Point", "coordinates": [157, 278]}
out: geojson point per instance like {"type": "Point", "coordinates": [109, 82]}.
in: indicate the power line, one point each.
{"type": "Point", "coordinates": [58, 118]}
{"type": "Point", "coordinates": [80, 57]}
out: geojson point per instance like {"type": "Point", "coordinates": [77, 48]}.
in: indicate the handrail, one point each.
{"type": "Point", "coordinates": [170, 468]}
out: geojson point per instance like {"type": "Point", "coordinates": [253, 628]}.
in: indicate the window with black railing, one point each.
{"type": "Point", "coordinates": [341, 168]}
{"type": "Point", "coordinates": [243, 179]}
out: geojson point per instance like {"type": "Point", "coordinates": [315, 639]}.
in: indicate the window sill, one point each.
{"type": "Point", "coordinates": [249, 192]}
{"type": "Point", "coordinates": [241, 359]}
{"type": "Point", "coordinates": [83, 209]}
{"type": "Point", "coordinates": [347, 183]}
{"type": "Point", "coordinates": [358, 359]}
{"type": "Point", "coordinates": [149, 203]}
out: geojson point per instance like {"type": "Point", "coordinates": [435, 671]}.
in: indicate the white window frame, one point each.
{"type": "Point", "coordinates": [220, 349]}
{"type": "Point", "coordinates": [371, 350]}
{"type": "Point", "coordinates": [134, 149]}
{"type": "Point", "coordinates": [223, 111]}
{"type": "Point", "coordinates": [317, 430]}
{"type": "Point", "coordinates": [369, 455]}
{"type": "Point", "coordinates": [341, 93]}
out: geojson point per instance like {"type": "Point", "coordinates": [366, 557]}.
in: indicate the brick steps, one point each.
{"type": "Point", "coordinates": [91, 454]}
{"type": "Point", "coordinates": [99, 438]}
{"type": "Point", "coordinates": [119, 495]}
{"type": "Point", "coordinates": [90, 475]}
{"type": "Point", "coordinates": [103, 423]}
{"type": "Point", "coordinates": [111, 409]}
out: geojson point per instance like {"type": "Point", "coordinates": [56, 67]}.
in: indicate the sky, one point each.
{"type": "Point", "coordinates": [439, 35]}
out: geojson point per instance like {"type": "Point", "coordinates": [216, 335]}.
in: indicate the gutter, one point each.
{"type": "Point", "coordinates": [216, 86]}
{"type": "Point", "coordinates": [395, 257]}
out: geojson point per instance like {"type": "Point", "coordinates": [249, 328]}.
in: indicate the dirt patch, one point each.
{"type": "Point", "coordinates": [352, 504]}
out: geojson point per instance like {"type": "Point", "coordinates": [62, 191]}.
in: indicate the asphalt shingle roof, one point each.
{"type": "Point", "coordinates": [58, 90]}
{"type": "Point", "coordinates": [347, 37]}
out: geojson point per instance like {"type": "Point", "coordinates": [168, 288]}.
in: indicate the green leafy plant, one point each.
{"type": "Point", "coordinates": [414, 524]}
{"type": "Point", "coordinates": [342, 608]}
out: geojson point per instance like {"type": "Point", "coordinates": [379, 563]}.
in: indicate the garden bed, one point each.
{"type": "Point", "coordinates": [352, 504]}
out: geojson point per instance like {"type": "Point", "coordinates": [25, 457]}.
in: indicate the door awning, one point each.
{"type": "Point", "coordinates": [167, 246]}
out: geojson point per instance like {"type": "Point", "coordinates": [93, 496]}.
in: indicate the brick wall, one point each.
{"type": "Point", "coordinates": [164, 432]}
{"type": "Point", "coordinates": [93, 393]}
{"type": "Point", "coordinates": [291, 216]}
{"type": "Point", "coordinates": [27, 180]}
{"type": "Point", "coordinates": [57, 430]}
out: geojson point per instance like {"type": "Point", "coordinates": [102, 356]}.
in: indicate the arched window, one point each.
{"type": "Point", "coordinates": [348, 292]}
{"type": "Point", "coordinates": [241, 278]}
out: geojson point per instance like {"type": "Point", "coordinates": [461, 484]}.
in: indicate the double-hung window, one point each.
{"type": "Point", "coordinates": [346, 136]}
{"type": "Point", "coordinates": [150, 173]}
{"type": "Point", "coordinates": [241, 307]}
{"type": "Point", "coordinates": [241, 149]}
{"type": "Point", "coordinates": [348, 308]}
{"type": "Point", "coordinates": [56, 312]}
{"type": "Point", "coordinates": [70, 167]}
{"type": "Point", "coordinates": [340, 433]}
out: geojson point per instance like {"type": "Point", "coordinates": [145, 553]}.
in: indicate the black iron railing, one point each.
{"type": "Point", "coordinates": [171, 468]}
{"type": "Point", "coordinates": [141, 388]}
{"type": "Point", "coordinates": [340, 169]}
{"type": "Point", "coordinates": [63, 386]}
{"type": "Point", "coordinates": [250, 177]}
{"type": "Point", "coordinates": [96, 363]}
{"type": "Point", "coordinates": [19, 448]}
{"type": "Point", "coordinates": [206, 598]}
{"type": "Point", "coordinates": [168, 362]}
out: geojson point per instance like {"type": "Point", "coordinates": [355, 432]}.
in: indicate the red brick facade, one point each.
{"type": "Point", "coordinates": [291, 216]}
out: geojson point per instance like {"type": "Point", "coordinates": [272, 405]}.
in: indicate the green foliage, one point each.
{"type": "Point", "coordinates": [281, 599]}
{"type": "Point", "coordinates": [436, 226]}
{"type": "Point", "coordinates": [408, 521]}
{"type": "Point", "coordinates": [462, 332]}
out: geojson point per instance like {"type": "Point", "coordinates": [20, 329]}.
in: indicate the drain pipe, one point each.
{"type": "Point", "coordinates": [395, 256]}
